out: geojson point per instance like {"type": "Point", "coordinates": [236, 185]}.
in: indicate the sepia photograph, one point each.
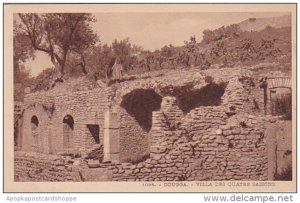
{"type": "Point", "coordinates": [150, 97]}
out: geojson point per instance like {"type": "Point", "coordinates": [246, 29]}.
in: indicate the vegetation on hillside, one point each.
{"type": "Point", "coordinates": [75, 50]}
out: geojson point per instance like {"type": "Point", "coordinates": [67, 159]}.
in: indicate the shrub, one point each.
{"type": "Point", "coordinates": [243, 124]}
{"type": "Point", "coordinates": [286, 174]}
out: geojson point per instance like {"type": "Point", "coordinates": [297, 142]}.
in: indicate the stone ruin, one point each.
{"type": "Point", "coordinates": [182, 125]}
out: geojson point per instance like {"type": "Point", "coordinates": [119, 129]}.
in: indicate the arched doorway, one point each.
{"type": "Point", "coordinates": [135, 124]}
{"type": "Point", "coordinates": [34, 132]}
{"type": "Point", "coordinates": [140, 104]}
{"type": "Point", "coordinates": [68, 127]}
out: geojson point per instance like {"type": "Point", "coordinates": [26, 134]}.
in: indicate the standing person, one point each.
{"type": "Point", "coordinates": [117, 70]}
{"type": "Point", "coordinates": [108, 73]}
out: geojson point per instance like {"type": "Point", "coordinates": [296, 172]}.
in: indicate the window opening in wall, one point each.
{"type": "Point", "coordinates": [34, 130]}
{"type": "Point", "coordinates": [68, 127]}
{"type": "Point", "coordinates": [94, 132]}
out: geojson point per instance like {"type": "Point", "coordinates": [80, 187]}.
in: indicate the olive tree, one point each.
{"type": "Point", "coordinates": [60, 34]}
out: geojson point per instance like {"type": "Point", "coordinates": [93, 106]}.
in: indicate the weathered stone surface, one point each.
{"type": "Point", "coordinates": [219, 132]}
{"type": "Point", "coordinates": [140, 165]}
{"type": "Point", "coordinates": [157, 149]}
{"type": "Point", "coordinates": [236, 131]}
{"type": "Point", "coordinates": [76, 163]}
{"type": "Point", "coordinates": [204, 143]}
{"type": "Point", "coordinates": [93, 163]}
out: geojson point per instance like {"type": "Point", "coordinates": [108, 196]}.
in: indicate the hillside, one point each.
{"type": "Point", "coordinates": [268, 45]}
{"type": "Point", "coordinates": [257, 24]}
{"type": "Point", "coordinates": [269, 42]}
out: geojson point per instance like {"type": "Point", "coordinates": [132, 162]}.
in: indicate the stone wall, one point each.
{"type": "Point", "coordinates": [134, 141]}
{"type": "Point", "coordinates": [38, 167]}
{"type": "Point", "coordinates": [205, 144]}
{"type": "Point", "coordinates": [75, 167]}
{"type": "Point", "coordinates": [226, 141]}
{"type": "Point", "coordinates": [39, 142]}
{"type": "Point", "coordinates": [279, 143]}
{"type": "Point", "coordinates": [132, 138]}
{"type": "Point", "coordinates": [224, 152]}
{"type": "Point", "coordinates": [85, 107]}
{"type": "Point", "coordinates": [244, 94]}
{"type": "Point", "coordinates": [254, 97]}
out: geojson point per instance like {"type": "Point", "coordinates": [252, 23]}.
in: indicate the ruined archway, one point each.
{"type": "Point", "coordinates": [139, 104]}
{"type": "Point", "coordinates": [210, 95]}
{"type": "Point", "coordinates": [278, 96]}
{"type": "Point", "coordinates": [68, 128]}
{"type": "Point", "coordinates": [281, 102]}
{"type": "Point", "coordinates": [34, 132]}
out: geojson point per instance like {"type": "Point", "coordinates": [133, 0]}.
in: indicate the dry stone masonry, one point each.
{"type": "Point", "coordinates": [178, 126]}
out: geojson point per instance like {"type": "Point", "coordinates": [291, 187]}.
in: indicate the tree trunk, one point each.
{"type": "Point", "coordinates": [83, 68]}
{"type": "Point", "coordinates": [58, 67]}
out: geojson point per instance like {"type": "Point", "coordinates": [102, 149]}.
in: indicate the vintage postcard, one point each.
{"type": "Point", "coordinates": [150, 98]}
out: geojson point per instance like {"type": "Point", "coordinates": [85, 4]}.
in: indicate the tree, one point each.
{"type": "Point", "coordinates": [59, 34]}
{"type": "Point", "coordinates": [22, 51]}
{"type": "Point", "coordinates": [22, 48]}
{"type": "Point", "coordinates": [126, 52]}
{"type": "Point", "coordinates": [43, 80]}
{"type": "Point", "coordinates": [168, 51]}
{"type": "Point", "coordinates": [136, 49]}
{"type": "Point", "coordinates": [122, 49]}
{"type": "Point", "coordinates": [99, 60]}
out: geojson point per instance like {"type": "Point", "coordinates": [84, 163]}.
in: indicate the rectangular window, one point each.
{"type": "Point", "coordinates": [94, 131]}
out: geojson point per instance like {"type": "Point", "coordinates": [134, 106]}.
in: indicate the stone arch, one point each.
{"type": "Point", "coordinates": [136, 111]}
{"type": "Point", "coordinates": [278, 94]}
{"type": "Point", "coordinates": [209, 95]}
{"type": "Point", "coordinates": [34, 122]}
{"type": "Point", "coordinates": [35, 132]}
{"type": "Point", "coordinates": [140, 103]}
{"type": "Point", "coordinates": [68, 129]}
{"type": "Point", "coordinates": [281, 82]}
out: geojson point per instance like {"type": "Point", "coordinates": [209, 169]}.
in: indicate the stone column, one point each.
{"type": "Point", "coordinates": [106, 145]}
{"type": "Point", "coordinates": [19, 134]}
{"type": "Point", "coordinates": [111, 136]}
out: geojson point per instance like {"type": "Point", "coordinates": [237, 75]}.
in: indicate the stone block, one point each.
{"type": "Point", "coordinates": [236, 131]}
{"type": "Point", "coordinates": [157, 149]}
{"type": "Point", "coordinates": [254, 121]}
{"type": "Point", "coordinates": [136, 170]}
{"type": "Point", "coordinates": [227, 132]}
{"type": "Point", "coordinates": [93, 163]}
{"type": "Point", "coordinates": [178, 164]}
{"type": "Point", "coordinates": [153, 162]}
{"type": "Point", "coordinates": [145, 170]}
{"type": "Point", "coordinates": [163, 165]}
{"type": "Point", "coordinates": [140, 165]}
{"type": "Point", "coordinates": [128, 171]}
{"type": "Point", "coordinates": [218, 131]}
{"type": "Point", "coordinates": [148, 165]}
{"type": "Point", "coordinates": [155, 156]}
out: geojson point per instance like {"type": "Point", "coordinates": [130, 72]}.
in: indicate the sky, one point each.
{"type": "Point", "coordinates": [153, 30]}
